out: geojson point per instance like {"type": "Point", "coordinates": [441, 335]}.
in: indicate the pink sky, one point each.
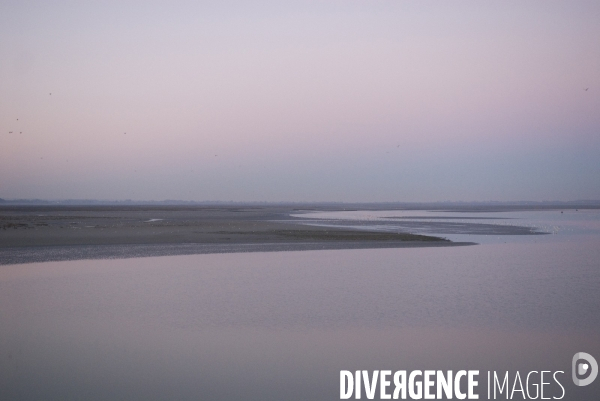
{"type": "Point", "coordinates": [349, 101]}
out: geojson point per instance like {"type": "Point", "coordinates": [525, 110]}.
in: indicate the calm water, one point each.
{"type": "Point", "coordinates": [280, 326]}
{"type": "Point", "coordinates": [480, 227]}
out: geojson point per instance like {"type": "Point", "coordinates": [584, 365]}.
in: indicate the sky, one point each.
{"type": "Point", "coordinates": [352, 101]}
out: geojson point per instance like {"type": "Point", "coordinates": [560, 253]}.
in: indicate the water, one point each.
{"type": "Point", "coordinates": [281, 325]}
{"type": "Point", "coordinates": [480, 227]}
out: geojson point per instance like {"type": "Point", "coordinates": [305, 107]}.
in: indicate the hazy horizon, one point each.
{"type": "Point", "coordinates": [75, 202]}
{"type": "Point", "coordinates": [326, 102]}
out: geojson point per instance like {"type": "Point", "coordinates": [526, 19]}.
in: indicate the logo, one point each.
{"type": "Point", "coordinates": [584, 364]}
{"type": "Point", "coordinates": [464, 384]}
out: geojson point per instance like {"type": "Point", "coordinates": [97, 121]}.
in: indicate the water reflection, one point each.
{"type": "Point", "coordinates": [274, 326]}
{"type": "Point", "coordinates": [464, 226]}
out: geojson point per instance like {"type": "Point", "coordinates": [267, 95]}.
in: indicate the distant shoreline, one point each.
{"type": "Point", "coordinates": [440, 205]}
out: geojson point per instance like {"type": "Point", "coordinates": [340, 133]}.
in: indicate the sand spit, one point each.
{"type": "Point", "coordinates": [51, 233]}
{"type": "Point", "coordinates": [21, 255]}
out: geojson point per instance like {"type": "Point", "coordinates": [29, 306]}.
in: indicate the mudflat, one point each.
{"type": "Point", "coordinates": [43, 233]}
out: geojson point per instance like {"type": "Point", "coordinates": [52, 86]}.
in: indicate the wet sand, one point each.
{"type": "Point", "coordinates": [50, 233]}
